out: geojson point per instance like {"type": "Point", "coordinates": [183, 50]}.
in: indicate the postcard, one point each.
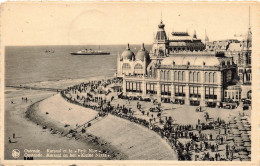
{"type": "Point", "coordinates": [132, 83]}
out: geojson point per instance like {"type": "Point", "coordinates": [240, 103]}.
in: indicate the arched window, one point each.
{"type": "Point", "coordinates": [138, 69]}
{"type": "Point", "coordinates": [210, 77]}
{"type": "Point", "coordinates": [214, 77]}
{"type": "Point", "coordinates": [138, 66]}
{"type": "Point", "coordinates": [194, 76]}
{"type": "Point", "coordinates": [190, 77]}
{"type": "Point", "coordinates": [179, 76]}
{"type": "Point", "coordinates": [183, 76]}
{"type": "Point", "coordinates": [206, 77]}
{"type": "Point", "coordinates": [126, 66]}
{"type": "Point", "coordinates": [198, 76]}
{"type": "Point", "coordinates": [168, 75]}
{"type": "Point", "coordinates": [175, 75]}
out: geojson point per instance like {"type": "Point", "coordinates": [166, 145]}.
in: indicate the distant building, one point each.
{"type": "Point", "coordinates": [240, 51]}
{"type": "Point", "coordinates": [182, 41]}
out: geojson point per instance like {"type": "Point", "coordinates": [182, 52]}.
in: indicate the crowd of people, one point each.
{"type": "Point", "coordinates": [188, 141]}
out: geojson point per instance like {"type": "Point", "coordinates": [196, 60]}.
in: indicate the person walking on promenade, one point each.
{"type": "Point", "coordinates": [13, 135]}
{"type": "Point", "coordinates": [227, 153]}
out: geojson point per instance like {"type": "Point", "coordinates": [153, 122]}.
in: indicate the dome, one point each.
{"type": "Point", "coordinates": [128, 54]}
{"type": "Point", "coordinates": [142, 53]}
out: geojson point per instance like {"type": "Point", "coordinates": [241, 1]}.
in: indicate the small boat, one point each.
{"type": "Point", "coordinates": [49, 51]}
{"type": "Point", "coordinates": [90, 52]}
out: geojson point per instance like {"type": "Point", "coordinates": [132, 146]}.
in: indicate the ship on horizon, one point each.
{"type": "Point", "coordinates": [90, 52]}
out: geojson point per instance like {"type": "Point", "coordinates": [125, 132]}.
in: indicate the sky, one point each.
{"type": "Point", "coordinates": [101, 23]}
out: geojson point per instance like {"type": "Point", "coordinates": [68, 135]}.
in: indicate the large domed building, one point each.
{"type": "Point", "coordinates": [128, 54]}
{"type": "Point", "coordinates": [178, 70]}
{"type": "Point", "coordinates": [130, 64]}
{"type": "Point", "coordinates": [142, 54]}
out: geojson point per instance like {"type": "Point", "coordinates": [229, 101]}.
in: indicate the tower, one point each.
{"type": "Point", "coordinates": [160, 43]}
{"type": "Point", "coordinates": [249, 32]}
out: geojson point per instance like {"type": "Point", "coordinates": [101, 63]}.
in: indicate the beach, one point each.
{"type": "Point", "coordinates": [118, 138]}
{"type": "Point", "coordinates": [29, 135]}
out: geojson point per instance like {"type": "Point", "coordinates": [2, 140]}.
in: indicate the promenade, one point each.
{"type": "Point", "coordinates": [211, 134]}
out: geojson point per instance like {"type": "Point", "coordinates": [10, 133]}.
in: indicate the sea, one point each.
{"type": "Point", "coordinates": [28, 64]}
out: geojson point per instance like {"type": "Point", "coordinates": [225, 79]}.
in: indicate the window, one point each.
{"type": "Point", "coordinates": [134, 87]}
{"type": "Point", "coordinates": [194, 76]}
{"type": "Point", "coordinates": [126, 66]}
{"type": "Point", "coordinates": [127, 86]}
{"type": "Point", "coordinates": [150, 88]}
{"type": "Point", "coordinates": [214, 77]}
{"type": "Point", "coordinates": [183, 76]}
{"type": "Point", "coordinates": [206, 77]}
{"type": "Point", "coordinates": [207, 90]}
{"type": "Point", "coordinates": [179, 90]}
{"type": "Point", "coordinates": [168, 75]}
{"type": "Point", "coordinates": [210, 93]}
{"type": "Point", "coordinates": [138, 66]}
{"type": "Point", "coordinates": [179, 76]}
{"type": "Point", "coordinates": [194, 91]}
{"type": "Point", "coordinates": [175, 75]}
{"type": "Point", "coordinates": [138, 69]}
{"type": "Point", "coordinates": [198, 76]}
{"type": "Point", "coordinates": [165, 90]}
{"type": "Point", "coordinates": [190, 77]}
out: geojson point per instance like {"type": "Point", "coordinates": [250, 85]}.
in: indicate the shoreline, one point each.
{"type": "Point", "coordinates": [32, 113]}
{"type": "Point", "coordinates": [59, 83]}
{"type": "Point", "coordinates": [114, 134]}
{"type": "Point", "coordinates": [57, 128]}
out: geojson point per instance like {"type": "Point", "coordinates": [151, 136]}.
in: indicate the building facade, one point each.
{"type": "Point", "coordinates": [185, 74]}
{"type": "Point", "coordinates": [240, 51]}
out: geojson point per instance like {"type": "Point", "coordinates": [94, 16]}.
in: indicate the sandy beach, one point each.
{"type": "Point", "coordinates": [30, 135]}
{"type": "Point", "coordinates": [118, 138]}
{"type": "Point", "coordinates": [113, 132]}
